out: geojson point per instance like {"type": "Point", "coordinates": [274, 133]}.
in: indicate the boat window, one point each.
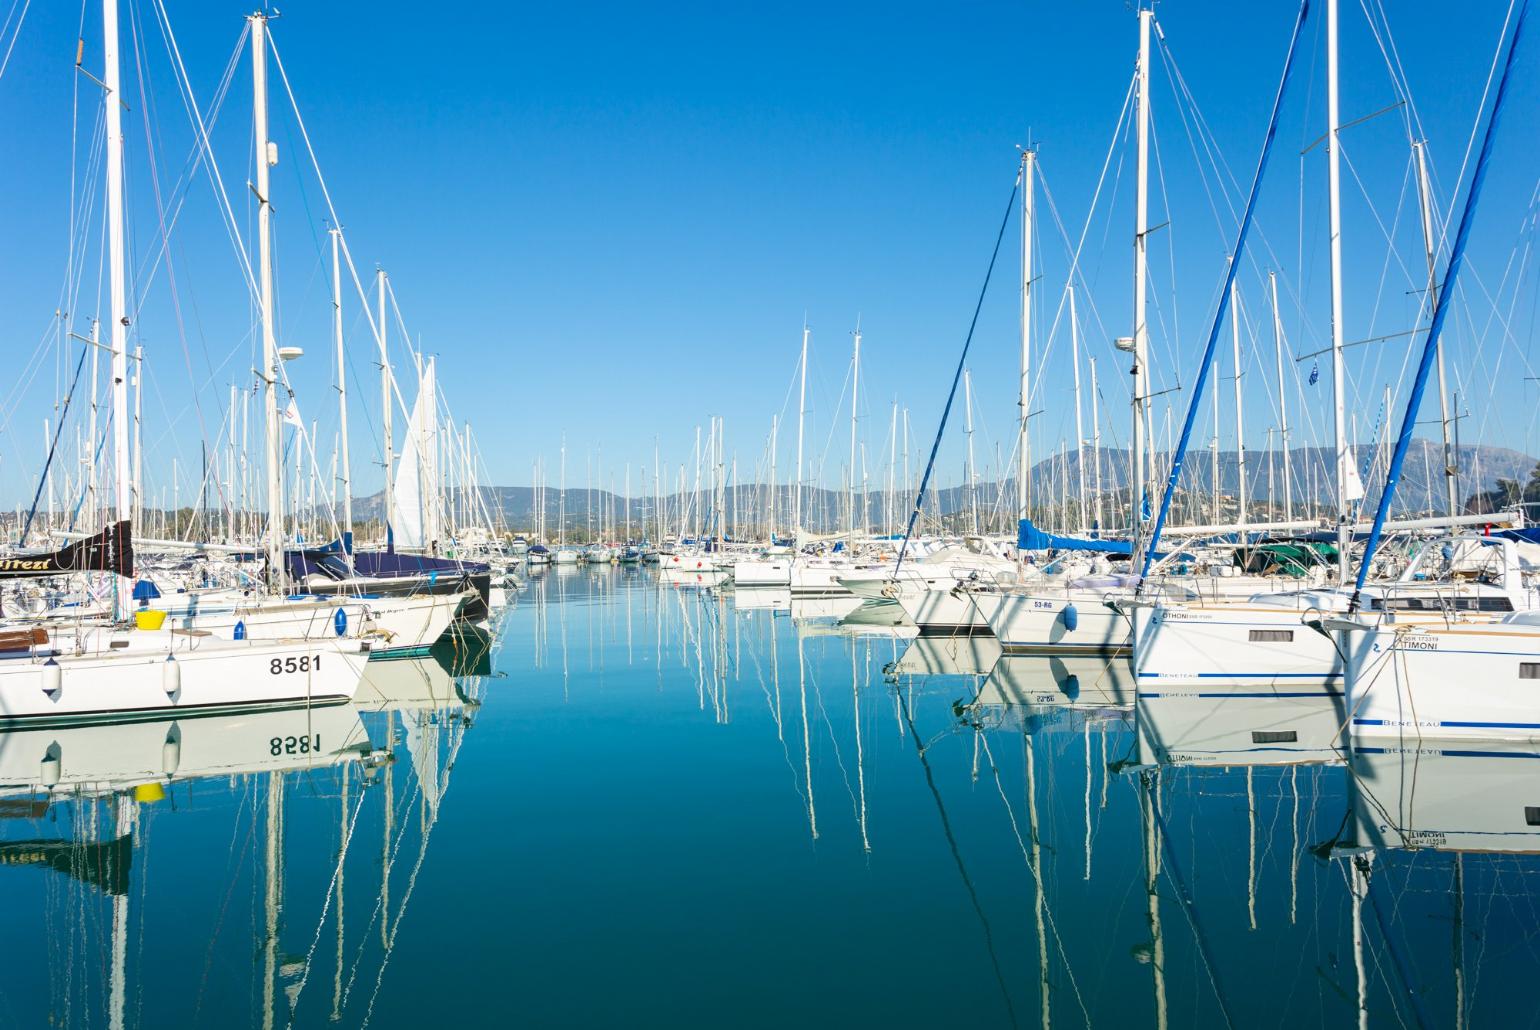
{"type": "Point", "coordinates": [1479, 603]}
{"type": "Point", "coordinates": [1529, 670]}
{"type": "Point", "coordinates": [1272, 636]}
{"type": "Point", "coordinates": [1532, 815]}
{"type": "Point", "coordinates": [1274, 737]}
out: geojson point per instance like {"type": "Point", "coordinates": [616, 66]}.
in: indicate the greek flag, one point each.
{"type": "Point", "coordinates": [1315, 373]}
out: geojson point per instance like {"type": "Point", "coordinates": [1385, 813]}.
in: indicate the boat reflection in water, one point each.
{"type": "Point", "coordinates": [103, 759]}
{"type": "Point", "coordinates": [1240, 730]}
{"type": "Point", "coordinates": [135, 817]}
{"type": "Point", "coordinates": [948, 656]}
{"type": "Point", "coordinates": [1448, 796]}
{"type": "Point", "coordinates": [1091, 683]}
{"type": "Point", "coordinates": [1066, 854]}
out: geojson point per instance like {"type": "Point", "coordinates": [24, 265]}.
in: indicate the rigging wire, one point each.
{"type": "Point", "coordinates": [962, 360]}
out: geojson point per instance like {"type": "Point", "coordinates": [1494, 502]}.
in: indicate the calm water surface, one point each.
{"type": "Point", "coordinates": [645, 805]}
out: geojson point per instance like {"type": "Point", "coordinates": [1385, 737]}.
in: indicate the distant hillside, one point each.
{"type": "Point", "coordinates": [1484, 471]}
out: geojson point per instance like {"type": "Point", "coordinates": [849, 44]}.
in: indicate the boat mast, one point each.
{"type": "Point", "coordinates": [267, 156]}
{"type": "Point", "coordinates": [775, 435]}
{"type": "Point", "coordinates": [386, 428]}
{"type": "Point", "coordinates": [1096, 448]}
{"type": "Point", "coordinates": [1141, 276]}
{"type": "Point", "coordinates": [892, 468]}
{"type": "Point", "coordinates": [973, 503]}
{"type": "Point", "coordinates": [721, 498]}
{"type": "Point", "coordinates": [118, 327]}
{"type": "Point", "coordinates": [796, 520]}
{"type": "Point", "coordinates": [342, 390]}
{"type": "Point", "coordinates": [138, 487]}
{"type": "Point", "coordinates": [695, 503]}
{"type": "Point", "coordinates": [93, 493]}
{"type": "Point", "coordinates": [1214, 454]}
{"type": "Point", "coordinates": [1024, 399]}
{"type": "Point", "coordinates": [230, 469]}
{"type": "Point", "coordinates": [855, 397]}
{"type": "Point", "coordinates": [1283, 404]}
{"type": "Point", "coordinates": [1074, 348]}
{"type": "Point", "coordinates": [1338, 386]}
{"type": "Point", "coordinates": [1430, 245]}
{"type": "Point", "coordinates": [1240, 443]}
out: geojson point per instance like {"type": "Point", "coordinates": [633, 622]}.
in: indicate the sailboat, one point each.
{"type": "Point", "coordinates": [1407, 654]}
{"type": "Point", "coordinates": [89, 669]}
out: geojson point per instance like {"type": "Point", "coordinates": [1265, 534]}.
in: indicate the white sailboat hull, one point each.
{"type": "Point", "coordinates": [944, 611]}
{"type": "Point", "coordinates": [171, 673]}
{"type": "Point", "coordinates": [1229, 649]}
{"type": "Point", "coordinates": [392, 626]}
{"type": "Point", "coordinates": [768, 572]}
{"type": "Point", "coordinates": [1061, 623]}
{"type": "Point", "coordinates": [1452, 682]}
{"type": "Point", "coordinates": [689, 563]}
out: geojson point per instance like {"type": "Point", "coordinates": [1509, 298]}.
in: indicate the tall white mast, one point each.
{"type": "Point", "coordinates": [775, 436]}
{"type": "Point", "coordinates": [1141, 275]}
{"type": "Point", "coordinates": [892, 504]}
{"type": "Point", "coordinates": [1240, 442]}
{"type": "Point", "coordinates": [1023, 436]}
{"type": "Point", "coordinates": [230, 466]}
{"type": "Point", "coordinates": [1096, 448]}
{"type": "Point", "coordinates": [1338, 386]}
{"type": "Point", "coordinates": [93, 493]}
{"type": "Point", "coordinates": [1074, 347]}
{"type": "Point", "coordinates": [1214, 456]}
{"type": "Point", "coordinates": [1283, 404]}
{"type": "Point", "coordinates": [561, 497]}
{"type": "Point", "coordinates": [386, 405]}
{"type": "Point", "coordinates": [796, 519]}
{"type": "Point", "coordinates": [122, 498]}
{"type": "Point", "coordinates": [267, 156]}
{"type": "Point", "coordinates": [695, 505]}
{"type": "Point", "coordinates": [1430, 246]}
{"type": "Point", "coordinates": [342, 386]}
{"type": "Point", "coordinates": [855, 399]}
{"type": "Point", "coordinates": [973, 501]}
{"type": "Point", "coordinates": [138, 487]}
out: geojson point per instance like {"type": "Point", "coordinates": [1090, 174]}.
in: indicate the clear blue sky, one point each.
{"type": "Point", "coordinates": [609, 220]}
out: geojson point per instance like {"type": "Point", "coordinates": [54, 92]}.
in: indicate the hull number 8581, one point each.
{"type": "Point", "coordinates": [303, 663]}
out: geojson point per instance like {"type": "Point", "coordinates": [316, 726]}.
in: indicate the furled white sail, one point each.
{"type": "Point", "coordinates": [414, 509]}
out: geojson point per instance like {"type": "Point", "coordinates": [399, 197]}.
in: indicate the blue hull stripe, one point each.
{"type": "Point", "coordinates": [1252, 694]}
{"type": "Point", "coordinates": [1240, 675]}
{"type": "Point", "coordinates": [1459, 725]}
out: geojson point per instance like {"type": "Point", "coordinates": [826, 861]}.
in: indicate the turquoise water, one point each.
{"type": "Point", "coordinates": [650, 805]}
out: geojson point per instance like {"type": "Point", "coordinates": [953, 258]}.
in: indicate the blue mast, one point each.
{"type": "Point", "coordinates": [1180, 456]}
{"type": "Point", "coordinates": [1440, 311]}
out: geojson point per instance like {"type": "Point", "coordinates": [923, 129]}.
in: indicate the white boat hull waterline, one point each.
{"type": "Point", "coordinates": [762, 572]}
{"type": "Point", "coordinates": [175, 672]}
{"type": "Point", "coordinates": [111, 756]}
{"type": "Point", "coordinates": [393, 627]}
{"type": "Point", "coordinates": [1070, 622]}
{"type": "Point", "coordinates": [1447, 682]}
